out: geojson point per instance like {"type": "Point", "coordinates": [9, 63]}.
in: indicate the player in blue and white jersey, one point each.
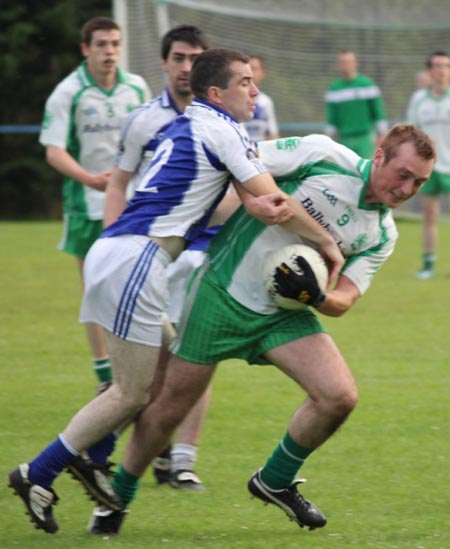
{"type": "Point", "coordinates": [141, 133]}
{"type": "Point", "coordinates": [263, 126]}
{"type": "Point", "coordinates": [125, 278]}
{"type": "Point", "coordinates": [352, 198]}
{"type": "Point", "coordinates": [80, 131]}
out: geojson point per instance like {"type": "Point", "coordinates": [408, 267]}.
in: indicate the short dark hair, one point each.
{"type": "Point", "coordinates": [407, 133]}
{"type": "Point", "coordinates": [183, 33]}
{"type": "Point", "coordinates": [212, 68]}
{"type": "Point", "coordinates": [97, 23]}
{"type": "Point", "coordinates": [439, 53]}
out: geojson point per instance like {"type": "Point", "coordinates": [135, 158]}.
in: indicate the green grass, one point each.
{"type": "Point", "coordinates": [382, 480]}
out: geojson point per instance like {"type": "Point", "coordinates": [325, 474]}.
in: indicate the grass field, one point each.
{"type": "Point", "coordinates": [382, 480]}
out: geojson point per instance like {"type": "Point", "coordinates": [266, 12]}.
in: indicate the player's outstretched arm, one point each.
{"type": "Point", "coordinates": [271, 209]}
{"type": "Point", "coordinates": [64, 163]}
{"type": "Point", "coordinates": [301, 223]}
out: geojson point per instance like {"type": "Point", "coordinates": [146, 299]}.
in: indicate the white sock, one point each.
{"type": "Point", "coordinates": [183, 456]}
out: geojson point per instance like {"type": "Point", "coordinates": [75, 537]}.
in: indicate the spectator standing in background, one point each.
{"type": "Point", "coordinates": [354, 108]}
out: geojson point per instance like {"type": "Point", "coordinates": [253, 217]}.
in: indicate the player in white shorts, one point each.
{"type": "Point", "coordinates": [352, 198]}
{"type": "Point", "coordinates": [172, 205]}
{"type": "Point", "coordinates": [141, 133]}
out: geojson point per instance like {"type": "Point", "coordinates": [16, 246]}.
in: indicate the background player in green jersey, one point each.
{"type": "Point", "coordinates": [429, 109]}
{"type": "Point", "coordinates": [228, 313]}
{"type": "Point", "coordinates": [354, 108]}
{"type": "Point", "coordinates": [80, 132]}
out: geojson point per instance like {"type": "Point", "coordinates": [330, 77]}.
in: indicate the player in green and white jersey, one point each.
{"type": "Point", "coordinates": [80, 131]}
{"type": "Point", "coordinates": [429, 109]}
{"type": "Point", "coordinates": [228, 314]}
{"type": "Point", "coordinates": [354, 108]}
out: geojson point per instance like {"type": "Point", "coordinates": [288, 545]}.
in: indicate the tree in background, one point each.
{"type": "Point", "coordinates": [39, 45]}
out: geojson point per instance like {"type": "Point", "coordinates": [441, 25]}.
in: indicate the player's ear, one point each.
{"type": "Point", "coordinates": [84, 49]}
{"type": "Point", "coordinates": [378, 158]}
{"type": "Point", "coordinates": [215, 95]}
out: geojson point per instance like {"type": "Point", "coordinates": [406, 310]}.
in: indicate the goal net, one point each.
{"type": "Point", "coordinates": [299, 41]}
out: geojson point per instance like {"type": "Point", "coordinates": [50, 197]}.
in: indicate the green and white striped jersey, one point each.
{"type": "Point", "coordinates": [85, 119]}
{"type": "Point", "coordinates": [432, 115]}
{"type": "Point", "coordinates": [355, 107]}
{"type": "Point", "coordinates": [330, 182]}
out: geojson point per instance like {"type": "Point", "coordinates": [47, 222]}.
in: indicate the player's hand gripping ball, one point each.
{"type": "Point", "coordinates": [296, 276]}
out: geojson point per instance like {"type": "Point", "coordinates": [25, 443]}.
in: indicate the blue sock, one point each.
{"type": "Point", "coordinates": [100, 452]}
{"type": "Point", "coordinates": [50, 462]}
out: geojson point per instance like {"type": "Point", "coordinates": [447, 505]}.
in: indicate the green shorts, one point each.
{"type": "Point", "coordinates": [79, 234]}
{"type": "Point", "coordinates": [215, 327]}
{"type": "Point", "coordinates": [439, 183]}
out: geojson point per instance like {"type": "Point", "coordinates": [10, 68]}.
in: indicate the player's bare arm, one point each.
{"type": "Point", "coordinates": [62, 161]}
{"type": "Point", "coordinates": [271, 209]}
{"type": "Point", "coordinates": [115, 201]}
{"type": "Point", "coordinates": [340, 299]}
{"type": "Point", "coordinates": [301, 223]}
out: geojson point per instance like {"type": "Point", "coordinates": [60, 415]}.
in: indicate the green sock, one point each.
{"type": "Point", "coordinates": [102, 369]}
{"type": "Point", "coordinates": [429, 259]}
{"type": "Point", "coordinates": [284, 463]}
{"type": "Point", "coordinates": [125, 486]}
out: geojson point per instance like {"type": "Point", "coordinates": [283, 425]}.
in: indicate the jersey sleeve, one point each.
{"type": "Point", "coordinates": [131, 142]}
{"type": "Point", "coordinates": [362, 267]}
{"type": "Point", "coordinates": [377, 105]}
{"type": "Point", "coordinates": [238, 156]}
{"type": "Point", "coordinates": [294, 155]}
{"type": "Point", "coordinates": [56, 123]}
{"type": "Point", "coordinates": [330, 113]}
{"type": "Point", "coordinates": [146, 92]}
{"type": "Point", "coordinates": [411, 108]}
{"type": "Point", "coordinates": [272, 124]}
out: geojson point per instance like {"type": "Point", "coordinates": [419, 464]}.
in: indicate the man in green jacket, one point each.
{"type": "Point", "coordinates": [354, 108]}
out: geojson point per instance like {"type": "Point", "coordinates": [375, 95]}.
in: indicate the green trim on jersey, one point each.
{"type": "Point", "coordinates": [375, 249]}
{"type": "Point", "coordinates": [322, 167]}
{"type": "Point", "coordinates": [72, 192]}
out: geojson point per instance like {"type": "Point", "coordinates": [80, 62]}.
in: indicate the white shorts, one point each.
{"type": "Point", "coordinates": [126, 287]}
{"type": "Point", "coordinates": [178, 275]}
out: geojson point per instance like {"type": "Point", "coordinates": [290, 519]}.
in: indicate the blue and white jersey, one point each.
{"type": "Point", "coordinates": [189, 175]}
{"type": "Point", "coordinates": [264, 122]}
{"type": "Point", "coordinates": [141, 133]}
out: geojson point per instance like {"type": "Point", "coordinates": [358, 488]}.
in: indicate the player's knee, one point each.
{"type": "Point", "coordinates": [344, 402]}
{"type": "Point", "coordinates": [132, 400]}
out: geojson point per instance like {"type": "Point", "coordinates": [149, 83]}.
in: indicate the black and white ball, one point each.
{"type": "Point", "coordinates": [288, 254]}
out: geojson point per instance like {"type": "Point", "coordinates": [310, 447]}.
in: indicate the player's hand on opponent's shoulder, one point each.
{"type": "Point", "coordinates": [271, 208]}
{"type": "Point", "coordinates": [303, 286]}
{"type": "Point", "coordinates": [98, 181]}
